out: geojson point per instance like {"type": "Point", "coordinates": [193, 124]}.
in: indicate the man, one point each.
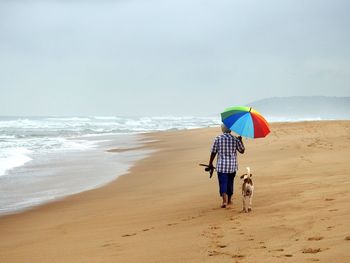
{"type": "Point", "coordinates": [226, 146]}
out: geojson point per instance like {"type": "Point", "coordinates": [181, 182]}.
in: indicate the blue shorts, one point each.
{"type": "Point", "coordinates": [226, 183]}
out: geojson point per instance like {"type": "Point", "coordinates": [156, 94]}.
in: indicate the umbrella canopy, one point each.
{"type": "Point", "coordinates": [245, 121]}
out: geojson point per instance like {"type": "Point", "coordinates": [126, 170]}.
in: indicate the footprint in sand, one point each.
{"type": "Point", "coordinates": [172, 224]}
{"type": "Point", "coordinates": [221, 246]}
{"type": "Point", "coordinates": [305, 159]}
{"type": "Point", "coordinates": [129, 235]}
{"type": "Point", "coordinates": [311, 250]}
{"type": "Point", "coordinates": [288, 255]}
{"type": "Point", "coordinates": [333, 210]}
{"type": "Point", "coordinates": [213, 253]}
{"type": "Point", "coordinates": [277, 250]}
{"type": "Point", "coordinates": [316, 238]}
{"type": "Point", "coordinates": [108, 243]}
{"type": "Point", "coordinates": [190, 218]}
{"type": "Point", "coordinates": [329, 199]}
{"type": "Point", "coordinates": [216, 253]}
{"type": "Point", "coordinates": [239, 256]}
{"type": "Point", "coordinates": [347, 238]}
{"type": "Point", "coordinates": [330, 227]}
{"type": "Point", "coordinates": [262, 243]}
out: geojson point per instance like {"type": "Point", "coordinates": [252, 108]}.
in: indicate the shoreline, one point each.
{"type": "Point", "coordinates": [167, 195]}
{"type": "Point", "coordinates": [57, 175]}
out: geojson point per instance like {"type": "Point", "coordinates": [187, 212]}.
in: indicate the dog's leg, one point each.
{"type": "Point", "coordinates": [245, 206]}
{"type": "Point", "coordinates": [243, 199]}
{"type": "Point", "coordinates": [250, 202]}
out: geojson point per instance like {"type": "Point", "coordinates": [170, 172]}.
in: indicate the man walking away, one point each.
{"type": "Point", "coordinates": [226, 146]}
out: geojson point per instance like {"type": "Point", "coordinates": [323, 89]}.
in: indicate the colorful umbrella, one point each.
{"type": "Point", "coordinates": [245, 121]}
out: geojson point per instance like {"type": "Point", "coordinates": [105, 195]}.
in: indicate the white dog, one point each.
{"type": "Point", "coordinates": [247, 191]}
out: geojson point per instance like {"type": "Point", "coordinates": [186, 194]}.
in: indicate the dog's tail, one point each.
{"type": "Point", "coordinates": [248, 171]}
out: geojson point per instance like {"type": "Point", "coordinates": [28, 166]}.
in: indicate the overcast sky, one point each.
{"type": "Point", "coordinates": [160, 57]}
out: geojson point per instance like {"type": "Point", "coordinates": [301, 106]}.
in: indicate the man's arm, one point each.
{"type": "Point", "coordinates": [214, 150]}
{"type": "Point", "coordinates": [240, 145]}
{"type": "Point", "coordinates": [212, 157]}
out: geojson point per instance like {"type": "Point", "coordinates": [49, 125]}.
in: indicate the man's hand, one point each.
{"type": "Point", "coordinates": [211, 169]}
{"type": "Point", "coordinates": [240, 148]}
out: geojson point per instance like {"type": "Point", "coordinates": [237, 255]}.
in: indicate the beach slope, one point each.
{"type": "Point", "coordinates": [166, 209]}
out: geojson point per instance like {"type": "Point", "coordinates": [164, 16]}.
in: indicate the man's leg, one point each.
{"type": "Point", "coordinates": [223, 178]}
{"type": "Point", "coordinates": [224, 200]}
{"type": "Point", "coordinates": [230, 184]}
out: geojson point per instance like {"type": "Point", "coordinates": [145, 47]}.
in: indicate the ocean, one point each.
{"type": "Point", "coordinates": [46, 158]}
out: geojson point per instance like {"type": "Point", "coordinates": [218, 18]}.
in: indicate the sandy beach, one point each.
{"type": "Point", "coordinates": [166, 209]}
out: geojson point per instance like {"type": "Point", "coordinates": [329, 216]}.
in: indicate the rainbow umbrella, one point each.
{"type": "Point", "coordinates": [245, 121]}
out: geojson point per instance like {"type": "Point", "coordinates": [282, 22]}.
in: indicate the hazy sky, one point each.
{"type": "Point", "coordinates": [160, 57]}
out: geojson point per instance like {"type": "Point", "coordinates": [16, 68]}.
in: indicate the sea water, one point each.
{"type": "Point", "coordinates": [45, 158]}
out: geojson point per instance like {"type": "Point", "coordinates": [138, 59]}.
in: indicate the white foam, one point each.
{"type": "Point", "coordinates": [2, 137]}
{"type": "Point", "coordinates": [293, 119]}
{"type": "Point", "coordinates": [12, 158]}
{"type": "Point", "coordinates": [107, 118]}
{"type": "Point", "coordinates": [38, 136]}
{"type": "Point", "coordinates": [68, 119]}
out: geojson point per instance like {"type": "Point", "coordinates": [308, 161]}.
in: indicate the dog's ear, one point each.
{"type": "Point", "coordinates": [242, 176]}
{"type": "Point", "coordinates": [251, 175]}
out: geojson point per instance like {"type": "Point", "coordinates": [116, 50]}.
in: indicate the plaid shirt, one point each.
{"type": "Point", "coordinates": [226, 146]}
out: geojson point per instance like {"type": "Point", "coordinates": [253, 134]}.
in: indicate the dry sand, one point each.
{"type": "Point", "coordinates": [167, 209]}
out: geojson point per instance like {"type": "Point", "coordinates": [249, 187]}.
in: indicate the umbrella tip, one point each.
{"type": "Point", "coordinates": [250, 109]}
